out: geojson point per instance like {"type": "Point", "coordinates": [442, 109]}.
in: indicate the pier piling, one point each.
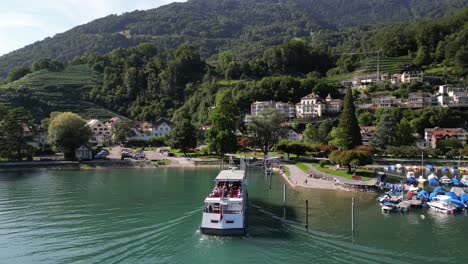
{"type": "Point", "coordinates": [284, 200]}
{"type": "Point", "coordinates": [271, 176]}
{"type": "Point", "coordinates": [307, 214]}
{"type": "Point", "coordinates": [352, 215]}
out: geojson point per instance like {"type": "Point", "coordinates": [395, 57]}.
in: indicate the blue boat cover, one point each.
{"type": "Point", "coordinates": [464, 197]}
{"type": "Point", "coordinates": [392, 167]}
{"type": "Point", "coordinates": [425, 195]}
{"type": "Point", "coordinates": [457, 203]}
{"type": "Point", "coordinates": [434, 182]}
{"type": "Point", "coordinates": [411, 180]}
{"type": "Point", "coordinates": [444, 168]}
{"type": "Point", "coordinates": [456, 181]}
{"type": "Point", "coordinates": [429, 166]}
{"type": "Point", "coordinates": [438, 190]}
{"type": "Point", "coordinates": [452, 194]}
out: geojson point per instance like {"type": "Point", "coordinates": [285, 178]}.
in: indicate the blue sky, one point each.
{"type": "Point", "coordinates": [23, 22]}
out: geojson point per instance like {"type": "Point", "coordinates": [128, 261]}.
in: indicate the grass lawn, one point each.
{"type": "Point", "coordinates": [286, 170]}
{"type": "Point", "coordinates": [439, 70]}
{"type": "Point", "coordinates": [366, 175]}
{"type": "Point", "coordinates": [163, 162]}
{"type": "Point", "coordinates": [302, 166]}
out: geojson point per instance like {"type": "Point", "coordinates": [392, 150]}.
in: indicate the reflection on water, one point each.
{"type": "Point", "coordinates": [152, 216]}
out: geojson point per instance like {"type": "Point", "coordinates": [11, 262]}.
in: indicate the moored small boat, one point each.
{"type": "Point", "coordinates": [388, 207]}
{"type": "Point", "coordinates": [464, 180]}
{"type": "Point", "coordinates": [441, 203]}
{"type": "Point", "coordinates": [445, 180]}
{"type": "Point", "coordinates": [421, 179]}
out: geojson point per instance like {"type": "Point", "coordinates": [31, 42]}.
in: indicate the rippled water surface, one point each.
{"type": "Point", "coordinates": [152, 216]}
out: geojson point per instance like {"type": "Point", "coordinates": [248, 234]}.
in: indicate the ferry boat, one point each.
{"type": "Point", "coordinates": [225, 210]}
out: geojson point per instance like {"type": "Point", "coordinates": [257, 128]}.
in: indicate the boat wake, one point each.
{"type": "Point", "coordinates": [325, 247]}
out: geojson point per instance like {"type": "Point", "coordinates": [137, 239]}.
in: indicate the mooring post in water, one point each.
{"type": "Point", "coordinates": [284, 200]}
{"type": "Point", "coordinates": [352, 215]}
{"type": "Point", "coordinates": [402, 190]}
{"type": "Point", "coordinates": [271, 175]}
{"type": "Point", "coordinates": [307, 214]}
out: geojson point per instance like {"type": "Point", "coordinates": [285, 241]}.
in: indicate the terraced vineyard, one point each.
{"type": "Point", "coordinates": [43, 91]}
{"type": "Point", "coordinates": [387, 65]}
{"type": "Point", "coordinates": [369, 66]}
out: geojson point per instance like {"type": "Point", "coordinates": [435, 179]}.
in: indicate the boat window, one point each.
{"type": "Point", "coordinates": [229, 221]}
{"type": "Point", "coordinates": [214, 221]}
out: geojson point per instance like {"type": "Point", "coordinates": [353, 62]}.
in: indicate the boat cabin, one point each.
{"type": "Point", "coordinates": [227, 194]}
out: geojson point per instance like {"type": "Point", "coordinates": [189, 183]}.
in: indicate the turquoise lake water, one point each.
{"type": "Point", "coordinates": [152, 216]}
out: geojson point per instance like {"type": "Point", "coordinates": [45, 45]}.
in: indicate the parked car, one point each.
{"type": "Point", "coordinates": [101, 156]}
{"type": "Point", "coordinates": [124, 155]}
{"type": "Point", "coordinates": [126, 150]}
{"type": "Point", "coordinates": [103, 153]}
{"type": "Point", "coordinates": [169, 154]}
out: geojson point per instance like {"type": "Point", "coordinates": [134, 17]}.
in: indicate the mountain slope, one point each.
{"type": "Point", "coordinates": [245, 26]}
{"type": "Point", "coordinates": [44, 91]}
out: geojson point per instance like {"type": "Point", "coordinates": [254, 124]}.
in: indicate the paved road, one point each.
{"type": "Point", "coordinates": [300, 179]}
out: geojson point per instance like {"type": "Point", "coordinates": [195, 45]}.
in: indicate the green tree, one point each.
{"type": "Point", "coordinates": [18, 73]}
{"type": "Point", "coordinates": [350, 158]}
{"type": "Point", "coordinates": [220, 137]}
{"type": "Point", "coordinates": [67, 132]}
{"type": "Point", "coordinates": [47, 64]}
{"type": "Point", "coordinates": [385, 131]}
{"type": "Point", "coordinates": [423, 56]}
{"type": "Point", "coordinates": [122, 131]}
{"type": "Point", "coordinates": [16, 132]}
{"type": "Point", "coordinates": [365, 118]}
{"type": "Point", "coordinates": [183, 136]}
{"type": "Point", "coordinates": [311, 134]}
{"type": "Point", "coordinates": [404, 134]}
{"type": "Point", "coordinates": [318, 134]}
{"type": "Point", "coordinates": [448, 144]}
{"type": "Point", "coordinates": [3, 111]}
{"type": "Point", "coordinates": [349, 133]}
{"type": "Point", "coordinates": [265, 130]}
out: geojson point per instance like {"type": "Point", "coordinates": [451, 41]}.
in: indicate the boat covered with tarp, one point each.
{"type": "Point", "coordinates": [456, 181]}
{"type": "Point", "coordinates": [429, 167]}
{"type": "Point", "coordinates": [457, 203]}
{"type": "Point", "coordinates": [463, 198]}
{"type": "Point", "coordinates": [424, 195]}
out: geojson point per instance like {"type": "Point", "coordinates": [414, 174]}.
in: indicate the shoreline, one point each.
{"type": "Point", "coordinates": [95, 165]}
{"type": "Point", "coordinates": [301, 180]}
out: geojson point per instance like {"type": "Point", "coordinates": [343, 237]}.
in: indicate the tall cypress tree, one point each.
{"type": "Point", "coordinates": [349, 123]}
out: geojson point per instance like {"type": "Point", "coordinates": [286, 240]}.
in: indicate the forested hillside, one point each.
{"type": "Point", "coordinates": [245, 26]}
{"type": "Point", "coordinates": [145, 83]}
